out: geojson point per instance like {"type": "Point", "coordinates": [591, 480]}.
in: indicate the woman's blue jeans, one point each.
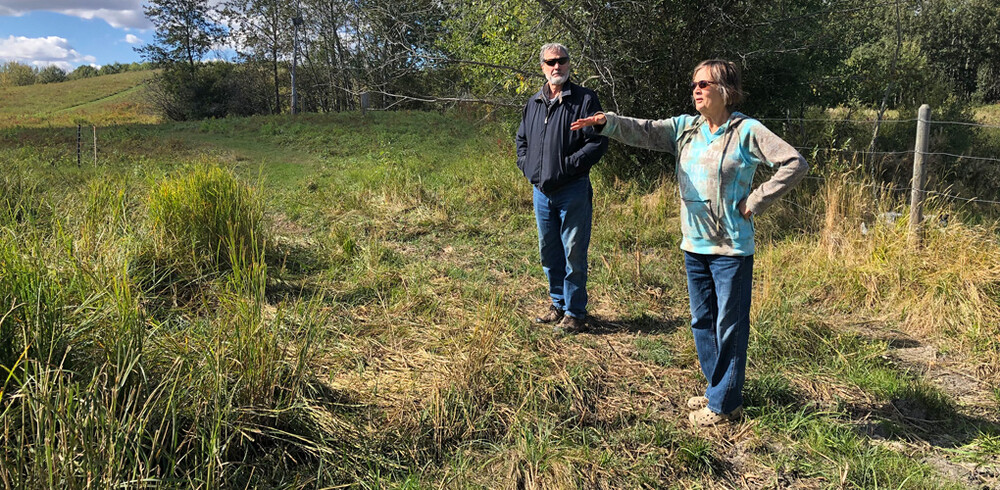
{"type": "Point", "coordinates": [719, 289]}
{"type": "Point", "coordinates": [564, 220]}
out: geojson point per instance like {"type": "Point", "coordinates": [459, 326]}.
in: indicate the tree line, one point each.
{"type": "Point", "coordinates": [15, 74]}
{"type": "Point", "coordinates": [637, 55]}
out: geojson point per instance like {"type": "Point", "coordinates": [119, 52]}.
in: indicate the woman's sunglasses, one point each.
{"type": "Point", "coordinates": [702, 84]}
{"type": "Point", "coordinates": [553, 61]}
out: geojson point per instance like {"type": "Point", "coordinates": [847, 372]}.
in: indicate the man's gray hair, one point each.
{"type": "Point", "coordinates": [550, 47]}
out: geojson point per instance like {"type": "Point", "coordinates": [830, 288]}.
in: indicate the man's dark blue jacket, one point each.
{"type": "Point", "coordinates": [548, 153]}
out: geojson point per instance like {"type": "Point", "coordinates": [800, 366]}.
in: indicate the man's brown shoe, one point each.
{"type": "Point", "coordinates": [553, 314]}
{"type": "Point", "coordinates": [571, 325]}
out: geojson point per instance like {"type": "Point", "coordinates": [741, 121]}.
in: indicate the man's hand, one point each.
{"type": "Point", "coordinates": [595, 120]}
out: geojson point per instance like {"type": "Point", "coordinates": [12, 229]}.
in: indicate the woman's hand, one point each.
{"type": "Point", "coordinates": [742, 208]}
{"type": "Point", "coordinates": [595, 120]}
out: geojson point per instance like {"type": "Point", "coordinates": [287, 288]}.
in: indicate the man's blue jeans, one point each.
{"type": "Point", "coordinates": [564, 220]}
{"type": "Point", "coordinates": [719, 289]}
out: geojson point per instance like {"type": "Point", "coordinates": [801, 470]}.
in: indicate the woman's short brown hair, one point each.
{"type": "Point", "coordinates": [727, 76]}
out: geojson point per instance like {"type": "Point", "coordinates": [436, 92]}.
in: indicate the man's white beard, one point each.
{"type": "Point", "coordinates": [557, 80]}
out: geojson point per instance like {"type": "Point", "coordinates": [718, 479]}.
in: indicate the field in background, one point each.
{"type": "Point", "coordinates": [106, 100]}
{"type": "Point", "coordinates": [989, 114]}
{"type": "Point", "coordinates": [344, 300]}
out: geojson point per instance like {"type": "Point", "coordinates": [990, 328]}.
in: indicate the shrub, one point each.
{"type": "Point", "coordinates": [51, 74]}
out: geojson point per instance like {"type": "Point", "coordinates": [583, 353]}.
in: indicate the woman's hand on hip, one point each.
{"type": "Point", "coordinates": [742, 208]}
{"type": "Point", "coordinates": [595, 120]}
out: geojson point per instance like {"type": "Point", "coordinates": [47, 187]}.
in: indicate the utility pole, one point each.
{"type": "Point", "coordinates": [296, 21]}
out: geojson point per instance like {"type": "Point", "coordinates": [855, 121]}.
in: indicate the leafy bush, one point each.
{"type": "Point", "coordinates": [14, 74]}
{"type": "Point", "coordinates": [51, 74]}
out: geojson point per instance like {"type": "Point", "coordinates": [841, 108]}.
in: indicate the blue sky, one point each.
{"type": "Point", "coordinates": [70, 33]}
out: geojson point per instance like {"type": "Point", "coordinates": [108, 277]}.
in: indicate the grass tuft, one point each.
{"type": "Point", "coordinates": [203, 222]}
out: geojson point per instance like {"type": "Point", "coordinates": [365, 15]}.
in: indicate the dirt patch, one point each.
{"type": "Point", "coordinates": [972, 475]}
{"type": "Point", "coordinates": [971, 389]}
{"type": "Point", "coordinates": [960, 380]}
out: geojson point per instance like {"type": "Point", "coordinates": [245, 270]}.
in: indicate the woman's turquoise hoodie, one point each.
{"type": "Point", "coordinates": [715, 172]}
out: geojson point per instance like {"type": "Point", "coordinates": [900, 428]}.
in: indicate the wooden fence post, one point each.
{"type": "Point", "coordinates": [364, 103]}
{"type": "Point", "coordinates": [919, 173]}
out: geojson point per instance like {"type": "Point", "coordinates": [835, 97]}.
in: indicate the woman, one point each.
{"type": "Point", "coordinates": [717, 153]}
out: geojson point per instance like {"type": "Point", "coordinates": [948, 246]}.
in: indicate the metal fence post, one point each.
{"type": "Point", "coordinates": [95, 145]}
{"type": "Point", "coordinates": [919, 175]}
{"type": "Point", "coordinates": [79, 136]}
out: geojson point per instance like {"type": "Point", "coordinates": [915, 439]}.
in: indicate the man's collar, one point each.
{"type": "Point", "coordinates": [544, 95]}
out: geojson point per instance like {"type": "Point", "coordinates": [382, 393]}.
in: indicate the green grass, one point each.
{"type": "Point", "coordinates": [373, 329]}
{"type": "Point", "coordinates": [106, 100]}
{"type": "Point", "coordinates": [988, 114]}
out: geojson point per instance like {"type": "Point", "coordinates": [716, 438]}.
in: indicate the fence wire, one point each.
{"type": "Point", "coordinates": [847, 151]}
{"type": "Point", "coordinates": [903, 152]}
{"type": "Point", "coordinates": [854, 152]}
{"type": "Point", "coordinates": [856, 121]}
{"type": "Point", "coordinates": [984, 159]}
{"type": "Point", "coordinates": [884, 187]}
{"type": "Point", "coordinates": [963, 123]}
{"type": "Point", "coordinates": [871, 121]}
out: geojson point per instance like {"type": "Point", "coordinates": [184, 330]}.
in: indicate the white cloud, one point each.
{"type": "Point", "coordinates": [117, 13]}
{"type": "Point", "coordinates": [42, 52]}
{"type": "Point", "coordinates": [116, 18]}
{"type": "Point", "coordinates": [133, 39]}
{"type": "Point", "coordinates": [25, 5]}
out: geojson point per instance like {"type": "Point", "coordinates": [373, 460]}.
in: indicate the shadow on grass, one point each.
{"type": "Point", "coordinates": [290, 267]}
{"type": "Point", "coordinates": [917, 413]}
{"type": "Point", "coordinates": [921, 411]}
{"type": "Point", "coordinates": [638, 324]}
{"type": "Point", "coordinates": [918, 417]}
{"type": "Point", "coordinates": [295, 260]}
{"type": "Point", "coordinates": [279, 290]}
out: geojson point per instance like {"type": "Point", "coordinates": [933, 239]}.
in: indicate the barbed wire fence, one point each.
{"type": "Point", "coordinates": [919, 154]}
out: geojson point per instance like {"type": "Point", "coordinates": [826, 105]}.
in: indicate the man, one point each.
{"type": "Point", "coordinates": [557, 162]}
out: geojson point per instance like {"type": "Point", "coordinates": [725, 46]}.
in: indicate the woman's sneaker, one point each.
{"type": "Point", "coordinates": [697, 403]}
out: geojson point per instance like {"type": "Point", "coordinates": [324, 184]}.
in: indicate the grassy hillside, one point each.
{"type": "Point", "coordinates": [104, 100]}
{"type": "Point", "coordinates": [337, 300]}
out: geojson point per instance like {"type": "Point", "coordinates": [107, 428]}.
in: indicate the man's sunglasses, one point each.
{"type": "Point", "coordinates": [553, 61]}
{"type": "Point", "coordinates": [702, 84]}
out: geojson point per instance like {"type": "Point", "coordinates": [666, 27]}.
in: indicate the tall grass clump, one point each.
{"type": "Point", "coordinates": [947, 286]}
{"type": "Point", "coordinates": [203, 222]}
{"type": "Point", "coordinates": [109, 204]}
{"type": "Point", "coordinates": [104, 215]}
{"type": "Point", "coordinates": [33, 322]}
{"type": "Point", "coordinates": [20, 200]}
{"type": "Point", "coordinates": [70, 348]}
{"type": "Point", "coordinates": [863, 267]}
